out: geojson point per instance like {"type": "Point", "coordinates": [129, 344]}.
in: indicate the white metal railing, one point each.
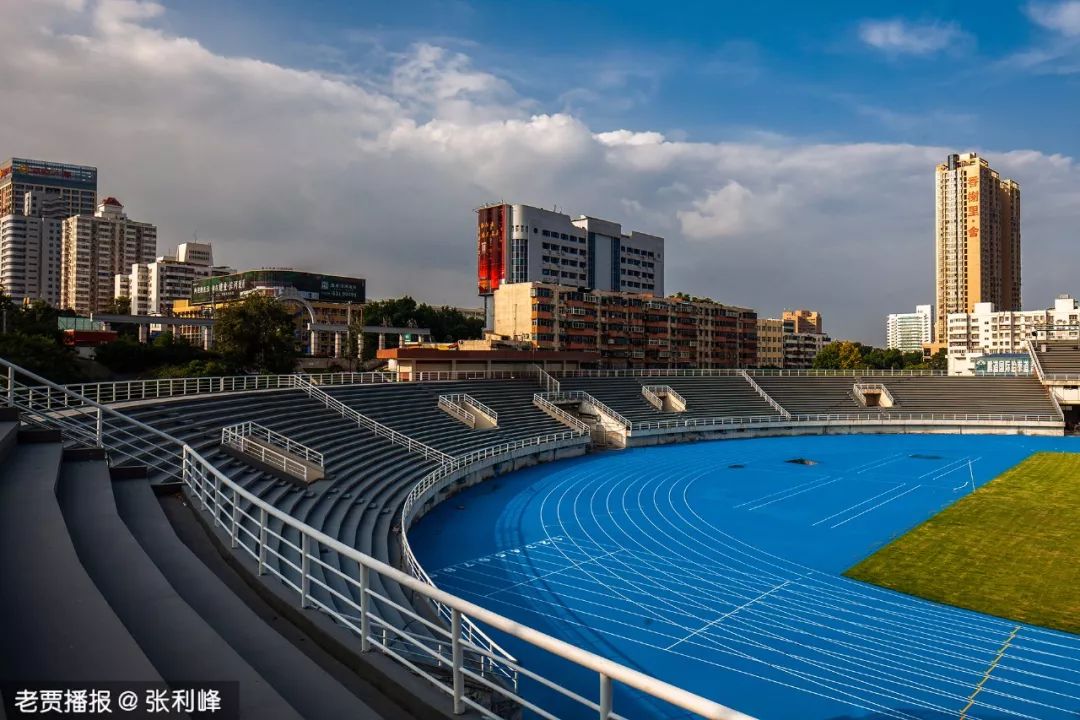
{"type": "Point", "coordinates": [547, 379]}
{"type": "Point", "coordinates": [457, 410]}
{"type": "Point", "coordinates": [559, 414]}
{"type": "Point", "coordinates": [860, 389]}
{"type": "Point", "coordinates": [458, 404]}
{"type": "Point", "coordinates": [454, 375]}
{"type": "Point", "coordinates": [653, 399]}
{"type": "Point", "coordinates": [878, 418]}
{"type": "Point", "coordinates": [244, 518]}
{"type": "Point", "coordinates": [273, 448]}
{"type": "Point", "coordinates": [729, 372]}
{"type": "Point", "coordinates": [132, 390]}
{"type": "Point", "coordinates": [1035, 359]}
{"type": "Point", "coordinates": [766, 396]}
{"type": "Point", "coordinates": [86, 421]}
{"type": "Point", "coordinates": [374, 426]}
{"type": "Point", "coordinates": [582, 396]}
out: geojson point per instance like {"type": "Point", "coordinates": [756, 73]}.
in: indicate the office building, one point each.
{"type": "Point", "coordinates": [988, 331]}
{"type": "Point", "coordinates": [154, 287]}
{"type": "Point", "coordinates": [96, 248]}
{"type": "Point", "coordinates": [30, 245]}
{"type": "Point", "coordinates": [520, 243]}
{"type": "Point", "coordinates": [977, 254]}
{"type": "Point", "coordinates": [74, 185]}
{"type": "Point", "coordinates": [770, 343]}
{"type": "Point", "coordinates": [627, 329]}
{"type": "Point", "coordinates": [909, 331]}
{"type": "Point", "coordinates": [790, 342]}
{"type": "Point", "coordinates": [804, 321]}
{"type": "Point", "coordinates": [325, 305]}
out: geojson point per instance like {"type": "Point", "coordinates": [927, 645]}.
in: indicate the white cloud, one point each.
{"type": "Point", "coordinates": [376, 176]}
{"type": "Point", "coordinates": [1061, 17]}
{"type": "Point", "coordinates": [900, 37]}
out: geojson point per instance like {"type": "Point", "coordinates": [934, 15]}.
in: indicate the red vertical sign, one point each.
{"type": "Point", "coordinates": [490, 241]}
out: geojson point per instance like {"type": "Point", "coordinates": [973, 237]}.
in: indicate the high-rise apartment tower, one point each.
{"type": "Point", "coordinates": [977, 238]}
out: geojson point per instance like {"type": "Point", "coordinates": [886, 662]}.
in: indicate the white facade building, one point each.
{"type": "Point", "coordinates": [908, 331]}
{"type": "Point", "coordinates": [97, 247]}
{"type": "Point", "coordinates": [154, 286]}
{"type": "Point", "coordinates": [30, 245]}
{"type": "Point", "coordinates": [537, 245]}
{"type": "Point", "coordinates": [990, 332]}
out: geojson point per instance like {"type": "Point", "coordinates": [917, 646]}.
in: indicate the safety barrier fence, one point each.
{"type": "Point", "coordinates": [374, 426]}
{"type": "Point", "coordinates": [84, 421]}
{"type": "Point", "coordinates": [133, 390]}
{"type": "Point", "coordinates": [730, 372]}
{"type": "Point", "coordinates": [547, 380]}
{"type": "Point", "coordinates": [452, 375]}
{"type": "Point", "coordinates": [873, 418]}
{"type": "Point", "coordinates": [766, 396]}
{"type": "Point", "coordinates": [457, 410]}
{"type": "Point", "coordinates": [559, 414]}
{"type": "Point", "coordinates": [457, 659]}
{"type": "Point", "coordinates": [582, 396]}
{"type": "Point", "coordinates": [272, 448]}
{"type": "Point", "coordinates": [653, 399]}
{"type": "Point", "coordinates": [459, 404]}
{"type": "Point", "coordinates": [860, 389]}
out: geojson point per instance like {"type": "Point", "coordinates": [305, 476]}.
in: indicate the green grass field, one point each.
{"type": "Point", "coordinates": [1011, 548]}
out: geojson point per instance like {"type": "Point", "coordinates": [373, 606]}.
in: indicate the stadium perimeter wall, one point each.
{"type": "Point", "coordinates": [664, 436]}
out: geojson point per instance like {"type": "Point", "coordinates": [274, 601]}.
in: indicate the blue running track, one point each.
{"type": "Point", "coordinates": [717, 566]}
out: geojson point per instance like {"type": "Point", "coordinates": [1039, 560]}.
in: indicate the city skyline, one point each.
{"type": "Point", "coordinates": [387, 159]}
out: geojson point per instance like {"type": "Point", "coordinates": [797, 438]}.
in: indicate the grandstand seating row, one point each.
{"type": "Point", "coordinates": [1059, 357]}
{"type": "Point", "coordinates": [99, 588]}
{"type": "Point", "coordinates": [733, 396]}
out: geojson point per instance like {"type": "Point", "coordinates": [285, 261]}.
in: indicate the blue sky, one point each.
{"type": "Point", "coordinates": [714, 70]}
{"type": "Point", "coordinates": [785, 150]}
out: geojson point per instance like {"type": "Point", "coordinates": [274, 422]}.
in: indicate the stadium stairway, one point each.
{"type": "Point", "coordinates": [98, 587]}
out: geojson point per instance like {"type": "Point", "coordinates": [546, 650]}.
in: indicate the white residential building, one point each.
{"type": "Point", "coordinates": [990, 332]}
{"type": "Point", "coordinates": [908, 331]}
{"type": "Point", "coordinates": [154, 286]}
{"type": "Point", "coordinates": [520, 243]}
{"type": "Point", "coordinates": [97, 247]}
{"type": "Point", "coordinates": [30, 244]}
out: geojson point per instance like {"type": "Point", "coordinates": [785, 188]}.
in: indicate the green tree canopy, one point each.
{"type": "Point", "coordinates": [447, 324]}
{"type": "Point", "coordinates": [256, 335]}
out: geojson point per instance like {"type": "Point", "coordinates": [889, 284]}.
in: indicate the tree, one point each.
{"type": "Point", "coordinates": [850, 355]}
{"type": "Point", "coordinates": [256, 335]}
{"type": "Point", "coordinates": [118, 306]}
{"type": "Point", "coordinates": [447, 324]}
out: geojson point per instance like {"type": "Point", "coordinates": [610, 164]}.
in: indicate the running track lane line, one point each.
{"type": "Point", "coordinates": [986, 676]}
{"type": "Point", "coordinates": [729, 613]}
{"type": "Point", "coordinates": [574, 564]}
{"type": "Point", "coordinates": [875, 507]}
{"type": "Point", "coordinates": [788, 497]}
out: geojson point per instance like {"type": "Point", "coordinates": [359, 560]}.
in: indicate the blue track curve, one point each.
{"type": "Point", "coordinates": [716, 566]}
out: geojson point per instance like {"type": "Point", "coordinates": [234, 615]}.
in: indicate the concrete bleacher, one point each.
{"type": "Point", "coordinates": [1058, 357]}
{"type": "Point", "coordinates": [812, 395]}
{"type": "Point", "coordinates": [706, 397]}
{"type": "Point", "coordinates": [413, 409]}
{"type": "Point", "coordinates": [359, 500]}
{"type": "Point", "coordinates": [970, 395]}
{"type": "Point", "coordinates": [99, 587]}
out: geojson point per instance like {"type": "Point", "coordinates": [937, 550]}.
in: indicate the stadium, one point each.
{"type": "Point", "coordinates": [639, 544]}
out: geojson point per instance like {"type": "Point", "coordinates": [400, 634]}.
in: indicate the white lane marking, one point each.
{"type": "Point", "coordinates": [848, 509]}
{"type": "Point", "coordinates": [729, 613]}
{"type": "Point", "coordinates": [875, 507]}
{"type": "Point", "coordinates": [788, 497]}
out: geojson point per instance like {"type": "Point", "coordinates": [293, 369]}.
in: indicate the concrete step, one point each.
{"type": "Point", "coordinates": [180, 644]}
{"type": "Point", "coordinates": [304, 684]}
{"type": "Point", "coordinates": [54, 622]}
